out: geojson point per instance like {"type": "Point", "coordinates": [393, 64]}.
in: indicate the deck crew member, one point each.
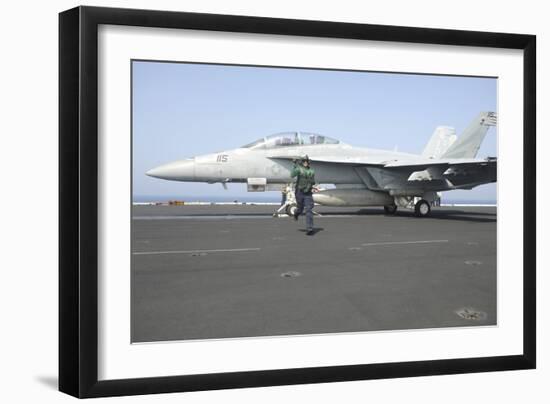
{"type": "Point", "coordinates": [305, 180]}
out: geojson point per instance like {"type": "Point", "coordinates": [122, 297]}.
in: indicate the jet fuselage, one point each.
{"type": "Point", "coordinates": [238, 165]}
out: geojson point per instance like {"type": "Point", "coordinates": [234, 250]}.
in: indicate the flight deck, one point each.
{"type": "Point", "coordinates": [217, 271]}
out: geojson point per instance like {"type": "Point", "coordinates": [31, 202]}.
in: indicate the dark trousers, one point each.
{"type": "Point", "coordinates": [305, 202]}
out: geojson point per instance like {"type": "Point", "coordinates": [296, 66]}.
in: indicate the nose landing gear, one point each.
{"type": "Point", "coordinates": [390, 209]}
{"type": "Point", "coordinates": [289, 206]}
{"type": "Point", "coordinates": [291, 209]}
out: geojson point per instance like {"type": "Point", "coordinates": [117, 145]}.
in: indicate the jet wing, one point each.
{"type": "Point", "coordinates": [412, 165]}
{"type": "Point", "coordinates": [423, 164]}
{"type": "Point", "coordinates": [356, 161]}
{"type": "Point", "coordinates": [419, 174]}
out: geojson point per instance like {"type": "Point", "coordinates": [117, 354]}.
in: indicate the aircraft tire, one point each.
{"type": "Point", "coordinates": [291, 209]}
{"type": "Point", "coordinates": [422, 208]}
{"type": "Point", "coordinates": [390, 209]}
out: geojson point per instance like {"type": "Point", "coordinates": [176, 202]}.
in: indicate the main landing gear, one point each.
{"type": "Point", "coordinates": [422, 208]}
{"type": "Point", "coordinates": [421, 205]}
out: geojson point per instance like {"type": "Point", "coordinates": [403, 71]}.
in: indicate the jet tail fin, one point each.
{"type": "Point", "coordinates": [442, 138]}
{"type": "Point", "coordinates": [469, 142]}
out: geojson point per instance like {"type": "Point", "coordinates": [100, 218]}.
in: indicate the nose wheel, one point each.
{"type": "Point", "coordinates": [390, 209]}
{"type": "Point", "coordinates": [422, 208]}
{"type": "Point", "coordinates": [291, 209]}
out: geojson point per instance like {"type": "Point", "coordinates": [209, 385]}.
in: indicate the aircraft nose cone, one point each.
{"type": "Point", "coordinates": [177, 170]}
{"type": "Point", "coordinates": [156, 172]}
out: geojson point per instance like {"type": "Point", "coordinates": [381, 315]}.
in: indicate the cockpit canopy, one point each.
{"type": "Point", "coordinates": [291, 139]}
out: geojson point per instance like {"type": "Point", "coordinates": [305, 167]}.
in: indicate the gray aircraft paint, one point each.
{"type": "Point", "coordinates": [373, 177]}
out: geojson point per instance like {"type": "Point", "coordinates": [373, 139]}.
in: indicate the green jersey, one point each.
{"type": "Point", "coordinates": [305, 178]}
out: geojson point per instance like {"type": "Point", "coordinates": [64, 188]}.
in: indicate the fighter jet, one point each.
{"type": "Point", "coordinates": [361, 176]}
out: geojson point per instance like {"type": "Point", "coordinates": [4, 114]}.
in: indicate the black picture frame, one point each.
{"type": "Point", "coordinates": [78, 201]}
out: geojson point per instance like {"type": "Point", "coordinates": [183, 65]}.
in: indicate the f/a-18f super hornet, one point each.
{"type": "Point", "coordinates": [361, 176]}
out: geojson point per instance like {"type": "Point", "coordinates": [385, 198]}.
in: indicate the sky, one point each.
{"type": "Point", "coordinates": [181, 110]}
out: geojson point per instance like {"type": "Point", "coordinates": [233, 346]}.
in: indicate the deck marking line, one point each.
{"type": "Point", "coordinates": [196, 251]}
{"type": "Point", "coordinates": [404, 242]}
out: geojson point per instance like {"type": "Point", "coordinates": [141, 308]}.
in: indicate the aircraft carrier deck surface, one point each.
{"type": "Point", "coordinates": [235, 271]}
